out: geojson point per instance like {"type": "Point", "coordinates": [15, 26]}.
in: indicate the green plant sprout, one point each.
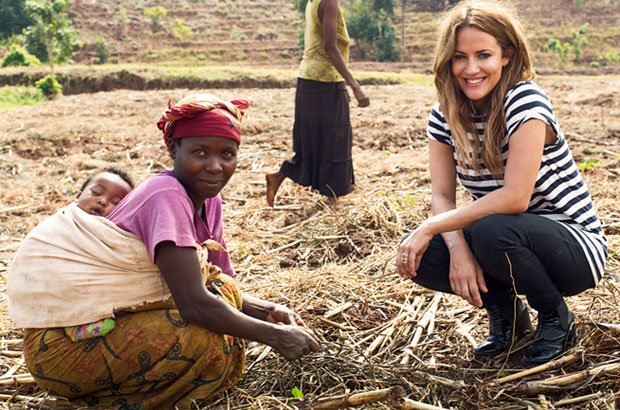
{"type": "Point", "coordinates": [408, 200]}
{"type": "Point", "coordinates": [588, 164]}
{"type": "Point", "coordinates": [242, 251]}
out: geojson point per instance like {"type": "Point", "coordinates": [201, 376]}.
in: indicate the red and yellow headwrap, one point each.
{"type": "Point", "coordinates": [203, 115]}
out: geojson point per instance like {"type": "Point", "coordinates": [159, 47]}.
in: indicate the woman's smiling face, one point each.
{"type": "Point", "coordinates": [203, 165]}
{"type": "Point", "coordinates": [477, 63]}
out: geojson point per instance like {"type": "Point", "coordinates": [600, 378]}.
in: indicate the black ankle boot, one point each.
{"type": "Point", "coordinates": [500, 327]}
{"type": "Point", "coordinates": [555, 329]}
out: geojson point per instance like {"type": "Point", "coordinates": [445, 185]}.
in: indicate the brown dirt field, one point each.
{"type": "Point", "coordinates": [314, 258]}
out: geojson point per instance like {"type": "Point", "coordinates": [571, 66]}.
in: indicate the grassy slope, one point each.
{"type": "Point", "coordinates": [264, 33]}
{"type": "Point", "coordinates": [252, 43]}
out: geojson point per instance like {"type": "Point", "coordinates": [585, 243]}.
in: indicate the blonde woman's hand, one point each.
{"type": "Point", "coordinates": [411, 250]}
{"type": "Point", "coordinates": [466, 276]}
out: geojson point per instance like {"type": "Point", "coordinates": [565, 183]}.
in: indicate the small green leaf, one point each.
{"type": "Point", "coordinates": [297, 393]}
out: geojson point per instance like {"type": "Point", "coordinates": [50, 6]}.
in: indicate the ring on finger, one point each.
{"type": "Point", "coordinates": [403, 258]}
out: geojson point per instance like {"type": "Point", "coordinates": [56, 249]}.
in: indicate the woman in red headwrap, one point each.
{"type": "Point", "coordinates": [187, 343]}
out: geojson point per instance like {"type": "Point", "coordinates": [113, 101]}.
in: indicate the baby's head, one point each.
{"type": "Point", "coordinates": [103, 190]}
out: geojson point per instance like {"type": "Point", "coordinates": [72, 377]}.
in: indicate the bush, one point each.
{"type": "Point", "coordinates": [235, 35]}
{"type": "Point", "coordinates": [101, 48]}
{"type": "Point", "coordinates": [612, 57]}
{"type": "Point", "coordinates": [181, 31]}
{"type": "Point", "coordinates": [49, 86]}
{"type": "Point", "coordinates": [19, 57]}
{"type": "Point", "coordinates": [18, 96]}
{"type": "Point", "coordinates": [155, 14]}
{"type": "Point", "coordinates": [555, 46]}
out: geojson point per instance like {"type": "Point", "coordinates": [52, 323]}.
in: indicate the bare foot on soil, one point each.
{"type": "Point", "coordinates": [332, 201]}
{"type": "Point", "coordinates": [273, 184]}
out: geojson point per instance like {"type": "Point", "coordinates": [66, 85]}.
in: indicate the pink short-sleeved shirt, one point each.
{"type": "Point", "coordinates": [159, 210]}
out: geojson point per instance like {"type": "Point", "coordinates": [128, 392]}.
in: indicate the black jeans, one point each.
{"type": "Point", "coordinates": [547, 261]}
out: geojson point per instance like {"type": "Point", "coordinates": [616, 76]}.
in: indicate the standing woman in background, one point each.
{"type": "Point", "coordinates": [322, 135]}
{"type": "Point", "coordinates": [531, 228]}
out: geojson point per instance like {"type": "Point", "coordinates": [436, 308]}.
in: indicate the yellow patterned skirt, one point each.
{"type": "Point", "coordinates": [152, 359]}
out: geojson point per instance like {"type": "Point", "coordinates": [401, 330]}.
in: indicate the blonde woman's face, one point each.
{"type": "Point", "coordinates": [477, 63]}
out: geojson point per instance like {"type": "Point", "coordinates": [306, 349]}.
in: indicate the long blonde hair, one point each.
{"type": "Point", "coordinates": [499, 20]}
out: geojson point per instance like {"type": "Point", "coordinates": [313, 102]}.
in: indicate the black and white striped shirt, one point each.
{"type": "Point", "coordinates": [559, 193]}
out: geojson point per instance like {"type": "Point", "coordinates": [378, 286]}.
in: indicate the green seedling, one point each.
{"type": "Point", "coordinates": [588, 164]}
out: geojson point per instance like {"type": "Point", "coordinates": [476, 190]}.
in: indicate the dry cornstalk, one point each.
{"type": "Point", "coordinates": [265, 351]}
{"type": "Point", "coordinates": [564, 381]}
{"type": "Point", "coordinates": [388, 328]}
{"type": "Point", "coordinates": [574, 400]}
{"type": "Point", "coordinates": [18, 379]}
{"type": "Point", "coordinates": [10, 341]}
{"type": "Point", "coordinates": [385, 333]}
{"type": "Point", "coordinates": [337, 310]}
{"type": "Point", "coordinates": [288, 245]}
{"type": "Point", "coordinates": [15, 208]}
{"type": "Point", "coordinates": [328, 237]}
{"type": "Point", "coordinates": [426, 318]}
{"type": "Point", "coordinates": [611, 326]}
{"type": "Point", "coordinates": [409, 404]}
{"type": "Point", "coordinates": [19, 397]}
{"type": "Point", "coordinates": [334, 324]}
{"type": "Point", "coordinates": [544, 403]}
{"type": "Point", "coordinates": [11, 353]}
{"type": "Point", "coordinates": [392, 394]}
{"type": "Point", "coordinates": [13, 369]}
{"type": "Point", "coordinates": [414, 311]}
{"type": "Point", "coordinates": [453, 384]}
{"type": "Point", "coordinates": [554, 364]}
{"type": "Point", "coordinates": [463, 331]}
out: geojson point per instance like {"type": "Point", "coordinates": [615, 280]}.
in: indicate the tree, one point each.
{"type": "Point", "coordinates": [50, 37]}
{"type": "Point", "coordinates": [155, 14]}
{"type": "Point", "coordinates": [371, 26]}
{"type": "Point", "coordinates": [300, 6]}
{"type": "Point", "coordinates": [363, 28]}
{"type": "Point", "coordinates": [13, 17]}
{"type": "Point", "coordinates": [120, 22]}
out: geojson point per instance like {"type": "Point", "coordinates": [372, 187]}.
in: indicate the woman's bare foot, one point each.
{"type": "Point", "coordinates": [273, 184]}
{"type": "Point", "coordinates": [332, 201]}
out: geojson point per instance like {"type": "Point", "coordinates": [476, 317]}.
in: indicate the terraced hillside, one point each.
{"type": "Point", "coordinates": [264, 32]}
{"type": "Point", "coordinates": [242, 30]}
